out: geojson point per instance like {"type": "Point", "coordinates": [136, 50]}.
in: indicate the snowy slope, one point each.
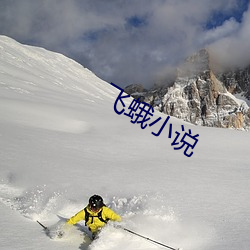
{"type": "Point", "coordinates": [61, 141]}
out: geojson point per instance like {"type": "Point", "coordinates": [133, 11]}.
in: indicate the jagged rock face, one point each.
{"type": "Point", "coordinates": [134, 88]}
{"type": "Point", "coordinates": [237, 81]}
{"type": "Point", "coordinates": [199, 97]}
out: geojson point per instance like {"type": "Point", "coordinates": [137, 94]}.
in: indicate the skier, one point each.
{"type": "Point", "coordinates": [95, 214]}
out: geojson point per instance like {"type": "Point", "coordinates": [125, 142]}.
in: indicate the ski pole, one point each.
{"type": "Point", "coordinates": [45, 228]}
{"type": "Point", "coordinates": [146, 238]}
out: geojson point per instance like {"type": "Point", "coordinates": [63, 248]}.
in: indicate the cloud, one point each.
{"type": "Point", "coordinates": [228, 28]}
{"type": "Point", "coordinates": [124, 41]}
{"type": "Point", "coordinates": [233, 49]}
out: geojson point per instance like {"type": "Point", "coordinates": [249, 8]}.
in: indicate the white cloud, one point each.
{"type": "Point", "coordinates": [97, 33]}
{"type": "Point", "coordinates": [228, 28]}
{"type": "Point", "coordinates": [233, 50]}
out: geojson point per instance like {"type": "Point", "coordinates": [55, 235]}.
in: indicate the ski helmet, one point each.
{"type": "Point", "coordinates": [95, 202]}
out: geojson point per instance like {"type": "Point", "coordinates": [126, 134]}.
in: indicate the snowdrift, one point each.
{"type": "Point", "coordinates": [61, 141]}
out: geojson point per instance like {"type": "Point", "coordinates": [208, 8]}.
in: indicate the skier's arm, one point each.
{"type": "Point", "coordinates": [110, 214]}
{"type": "Point", "coordinates": [77, 217]}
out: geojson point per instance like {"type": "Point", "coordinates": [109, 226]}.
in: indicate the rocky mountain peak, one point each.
{"type": "Point", "coordinates": [194, 65]}
{"type": "Point", "coordinates": [202, 97]}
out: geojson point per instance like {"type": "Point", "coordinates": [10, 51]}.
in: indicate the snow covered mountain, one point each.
{"type": "Point", "coordinates": [61, 141]}
{"type": "Point", "coordinates": [237, 81]}
{"type": "Point", "coordinates": [202, 96]}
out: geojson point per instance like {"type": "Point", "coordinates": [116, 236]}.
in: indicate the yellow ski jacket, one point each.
{"type": "Point", "coordinates": [94, 223]}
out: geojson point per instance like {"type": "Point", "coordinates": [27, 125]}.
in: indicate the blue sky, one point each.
{"type": "Point", "coordinates": [131, 41]}
{"type": "Point", "coordinates": [218, 17]}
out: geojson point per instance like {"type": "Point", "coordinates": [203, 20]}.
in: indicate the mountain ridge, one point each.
{"type": "Point", "coordinates": [203, 96]}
